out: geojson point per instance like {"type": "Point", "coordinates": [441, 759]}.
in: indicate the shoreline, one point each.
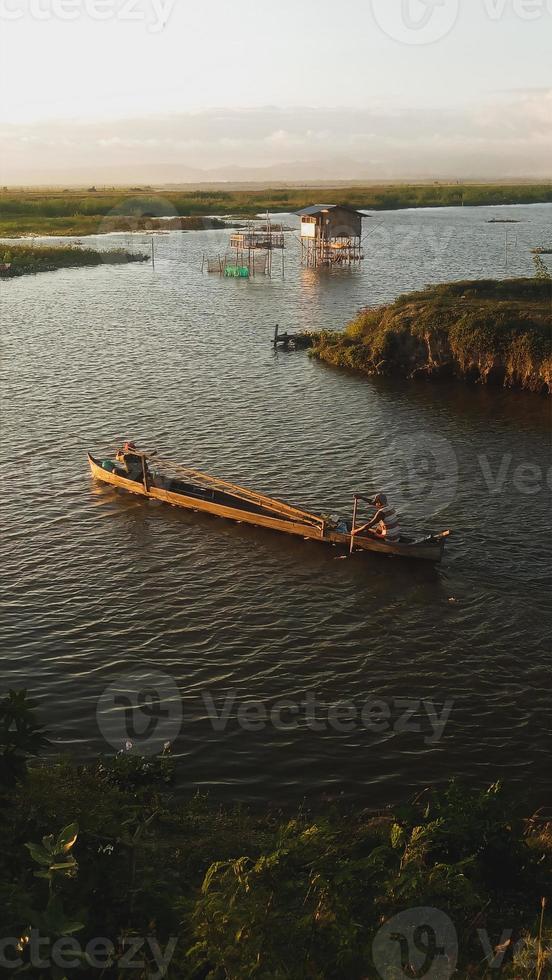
{"type": "Point", "coordinates": [25, 260]}
{"type": "Point", "coordinates": [490, 332]}
{"type": "Point", "coordinates": [123, 225]}
{"type": "Point", "coordinates": [78, 212]}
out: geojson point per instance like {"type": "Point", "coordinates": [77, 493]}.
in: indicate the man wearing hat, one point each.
{"type": "Point", "coordinates": [385, 522]}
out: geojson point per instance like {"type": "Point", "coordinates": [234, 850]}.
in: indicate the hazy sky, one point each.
{"type": "Point", "coordinates": [375, 87]}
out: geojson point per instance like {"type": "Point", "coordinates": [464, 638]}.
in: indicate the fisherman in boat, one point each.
{"type": "Point", "coordinates": [385, 522]}
{"type": "Point", "coordinates": [130, 462]}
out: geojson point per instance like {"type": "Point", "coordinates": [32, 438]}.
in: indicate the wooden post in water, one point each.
{"type": "Point", "coordinates": [353, 525]}
{"type": "Point", "coordinates": [152, 254]}
{"type": "Point", "coordinates": [275, 341]}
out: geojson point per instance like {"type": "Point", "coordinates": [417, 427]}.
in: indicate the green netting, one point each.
{"type": "Point", "coordinates": [237, 271]}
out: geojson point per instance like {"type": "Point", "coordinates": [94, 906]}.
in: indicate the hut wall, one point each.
{"type": "Point", "coordinates": [340, 222]}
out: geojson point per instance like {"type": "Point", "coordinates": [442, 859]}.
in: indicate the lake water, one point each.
{"type": "Point", "coordinates": [105, 593]}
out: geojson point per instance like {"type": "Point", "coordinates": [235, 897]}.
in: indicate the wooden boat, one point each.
{"type": "Point", "coordinates": [196, 491]}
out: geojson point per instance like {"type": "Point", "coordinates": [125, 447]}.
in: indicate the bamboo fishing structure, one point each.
{"type": "Point", "coordinates": [251, 251]}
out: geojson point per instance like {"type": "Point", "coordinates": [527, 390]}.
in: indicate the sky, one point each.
{"type": "Point", "coordinates": [167, 90]}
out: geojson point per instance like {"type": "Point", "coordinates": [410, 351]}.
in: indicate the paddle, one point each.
{"type": "Point", "coordinates": [353, 524]}
{"type": "Point", "coordinates": [356, 498]}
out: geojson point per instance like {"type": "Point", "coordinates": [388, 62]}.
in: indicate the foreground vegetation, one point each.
{"type": "Point", "coordinates": [226, 894]}
{"type": "Point", "coordinates": [81, 212]}
{"type": "Point", "coordinates": [486, 331]}
{"type": "Point", "coordinates": [21, 260]}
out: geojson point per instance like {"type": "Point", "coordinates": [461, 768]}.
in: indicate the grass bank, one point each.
{"type": "Point", "coordinates": [21, 260]}
{"type": "Point", "coordinates": [84, 212]}
{"type": "Point", "coordinates": [486, 331]}
{"type": "Point", "coordinates": [227, 894]}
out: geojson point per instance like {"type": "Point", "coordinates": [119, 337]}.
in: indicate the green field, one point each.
{"type": "Point", "coordinates": [85, 212]}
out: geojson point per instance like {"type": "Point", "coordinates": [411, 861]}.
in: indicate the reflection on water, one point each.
{"type": "Point", "coordinates": [98, 582]}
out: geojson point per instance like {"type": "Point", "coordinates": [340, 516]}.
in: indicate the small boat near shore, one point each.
{"type": "Point", "coordinates": [188, 488]}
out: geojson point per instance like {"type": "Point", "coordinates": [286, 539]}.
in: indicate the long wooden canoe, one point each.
{"type": "Point", "coordinates": [198, 491]}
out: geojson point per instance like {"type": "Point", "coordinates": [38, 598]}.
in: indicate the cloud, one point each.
{"type": "Point", "coordinates": [511, 135]}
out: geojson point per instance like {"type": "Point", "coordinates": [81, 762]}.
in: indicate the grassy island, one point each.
{"type": "Point", "coordinates": [483, 331]}
{"type": "Point", "coordinates": [228, 893]}
{"type": "Point", "coordinates": [21, 260]}
{"type": "Point", "coordinates": [74, 211]}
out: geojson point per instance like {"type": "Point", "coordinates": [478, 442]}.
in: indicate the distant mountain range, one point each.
{"type": "Point", "coordinates": [297, 173]}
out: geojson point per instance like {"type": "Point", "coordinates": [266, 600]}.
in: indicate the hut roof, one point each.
{"type": "Point", "coordinates": [315, 209]}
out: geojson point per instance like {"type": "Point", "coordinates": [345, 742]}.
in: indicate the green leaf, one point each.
{"type": "Point", "coordinates": [67, 838]}
{"type": "Point", "coordinates": [64, 865]}
{"type": "Point", "coordinates": [71, 927]}
{"type": "Point", "coordinates": [39, 854]}
{"type": "Point", "coordinates": [397, 836]}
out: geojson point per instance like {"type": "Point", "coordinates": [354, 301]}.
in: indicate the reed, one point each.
{"type": "Point", "coordinates": [82, 212]}
{"type": "Point", "coordinates": [21, 260]}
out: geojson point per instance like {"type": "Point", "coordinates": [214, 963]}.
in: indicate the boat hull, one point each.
{"type": "Point", "coordinates": [428, 549]}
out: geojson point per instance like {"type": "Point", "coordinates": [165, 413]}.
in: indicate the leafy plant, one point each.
{"type": "Point", "coordinates": [21, 736]}
{"type": "Point", "coordinates": [541, 270]}
{"type": "Point", "coordinates": [57, 864]}
{"type": "Point", "coordinates": [54, 855]}
{"type": "Point", "coordinates": [311, 907]}
{"type": "Point", "coordinates": [234, 894]}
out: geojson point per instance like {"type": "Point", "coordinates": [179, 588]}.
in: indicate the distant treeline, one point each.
{"type": "Point", "coordinates": [84, 212]}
